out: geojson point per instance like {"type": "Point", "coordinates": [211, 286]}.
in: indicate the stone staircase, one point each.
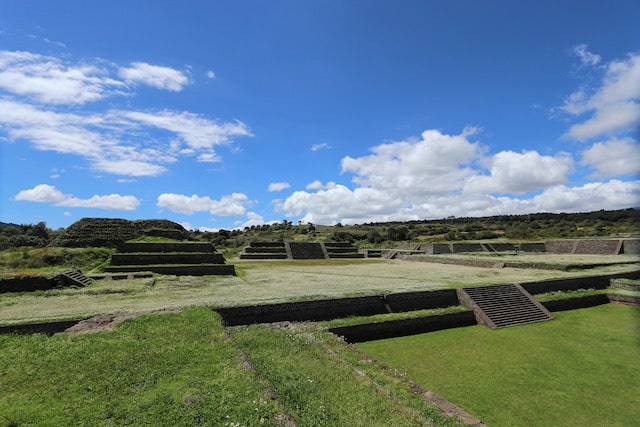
{"type": "Point", "coordinates": [72, 278]}
{"type": "Point", "coordinates": [502, 306]}
{"type": "Point", "coordinates": [179, 259]}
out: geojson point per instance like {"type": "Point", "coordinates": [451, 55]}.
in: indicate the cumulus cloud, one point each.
{"type": "Point", "coordinates": [211, 74]}
{"type": "Point", "coordinates": [440, 175]}
{"type": "Point", "coordinates": [278, 186]}
{"type": "Point", "coordinates": [152, 75]}
{"type": "Point", "coordinates": [229, 205]}
{"type": "Point", "coordinates": [593, 196]}
{"type": "Point", "coordinates": [611, 108]}
{"type": "Point", "coordinates": [615, 157]}
{"type": "Point", "coordinates": [436, 163]}
{"type": "Point", "coordinates": [521, 172]}
{"type": "Point", "coordinates": [44, 193]}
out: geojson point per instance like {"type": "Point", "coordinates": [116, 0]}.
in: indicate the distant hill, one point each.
{"type": "Point", "coordinates": [8, 224]}
{"type": "Point", "coordinates": [110, 232]}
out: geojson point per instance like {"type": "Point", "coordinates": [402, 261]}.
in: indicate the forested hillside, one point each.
{"type": "Point", "coordinates": [540, 226]}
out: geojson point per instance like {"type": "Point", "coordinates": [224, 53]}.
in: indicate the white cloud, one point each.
{"type": "Point", "coordinates": [521, 172]}
{"type": "Point", "coordinates": [606, 120]}
{"type": "Point", "coordinates": [613, 107]}
{"type": "Point", "coordinates": [278, 186]}
{"type": "Point", "coordinates": [435, 164]}
{"type": "Point", "coordinates": [123, 142]}
{"type": "Point", "coordinates": [48, 80]}
{"type": "Point", "coordinates": [586, 57]}
{"type": "Point", "coordinates": [111, 141]}
{"type": "Point", "coordinates": [128, 167]}
{"type": "Point", "coordinates": [253, 218]}
{"type": "Point", "coordinates": [593, 196]}
{"type": "Point", "coordinates": [315, 185]}
{"type": "Point", "coordinates": [44, 193]}
{"type": "Point", "coordinates": [229, 205]}
{"type": "Point", "coordinates": [439, 175]}
{"type": "Point", "coordinates": [615, 157]}
{"type": "Point", "coordinates": [318, 147]}
{"type": "Point", "coordinates": [211, 74]}
{"type": "Point", "coordinates": [155, 76]}
{"type": "Point", "coordinates": [193, 130]}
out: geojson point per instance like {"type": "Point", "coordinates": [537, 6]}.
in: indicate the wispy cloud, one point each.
{"type": "Point", "coordinates": [318, 147]}
{"type": "Point", "coordinates": [43, 91]}
{"type": "Point", "coordinates": [586, 57]}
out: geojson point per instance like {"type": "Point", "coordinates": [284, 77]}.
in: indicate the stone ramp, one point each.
{"type": "Point", "coordinates": [502, 306]}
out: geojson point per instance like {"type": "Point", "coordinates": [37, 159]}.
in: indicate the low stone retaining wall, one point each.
{"type": "Point", "coordinates": [178, 270]}
{"type": "Point", "coordinates": [165, 247]}
{"type": "Point", "coordinates": [574, 284]}
{"type": "Point", "coordinates": [410, 301]}
{"type": "Point", "coordinates": [26, 284]}
{"type": "Point", "coordinates": [166, 258]}
{"type": "Point", "coordinates": [316, 310]}
{"type": "Point", "coordinates": [576, 303]}
{"type": "Point", "coordinates": [404, 327]}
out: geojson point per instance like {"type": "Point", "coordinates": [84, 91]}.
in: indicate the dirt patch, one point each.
{"type": "Point", "coordinates": [105, 322]}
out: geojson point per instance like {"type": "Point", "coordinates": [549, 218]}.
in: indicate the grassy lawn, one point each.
{"type": "Point", "coordinates": [580, 369]}
{"type": "Point", "coordinates": [171, 369]}
{"type": "Point", "coordinates": [261, 282]}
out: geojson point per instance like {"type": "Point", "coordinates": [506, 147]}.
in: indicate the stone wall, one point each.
{"type": "Point", "coordinates": [404, 327]}
{"type": "Point", "coordinates": [166, 258]}
{"type": "Point", "coordinates": [165, 247]}
{"type": "Point", "coordinates": [26, 284]}
{"type": "Point", "coordinates": [592, 246]}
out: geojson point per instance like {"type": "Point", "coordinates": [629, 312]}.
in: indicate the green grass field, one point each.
{"type": "Point", "coordinates": [186, 369]}
{"type": "Point", "coordinates": [263, 282]}
{"type": "Point", "coordinates": [580, 369]}
{"type": "Point", "coordinates": [170, 370]}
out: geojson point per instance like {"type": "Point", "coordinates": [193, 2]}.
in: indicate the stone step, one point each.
{"type": "Point", "coordinates": [74, 277]}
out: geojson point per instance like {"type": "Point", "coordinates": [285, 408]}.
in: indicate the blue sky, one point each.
{"type": "Point", "coordinates": [227, 114]}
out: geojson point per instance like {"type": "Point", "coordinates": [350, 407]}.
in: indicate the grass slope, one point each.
{"type": "Point", "coordinates": [580, 369]}
{"type": "Point", "coordinates": [312, 373]}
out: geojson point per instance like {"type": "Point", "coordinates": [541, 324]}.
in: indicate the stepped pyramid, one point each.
{"type": "Point", "coordinates": [501, 306]}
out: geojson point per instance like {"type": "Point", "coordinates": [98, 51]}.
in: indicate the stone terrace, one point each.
{"type": "Point", "coordinates": [180, 259]}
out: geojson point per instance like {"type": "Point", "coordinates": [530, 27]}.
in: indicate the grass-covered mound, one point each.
{"type": "Point", "coordinates": [110, 232]}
